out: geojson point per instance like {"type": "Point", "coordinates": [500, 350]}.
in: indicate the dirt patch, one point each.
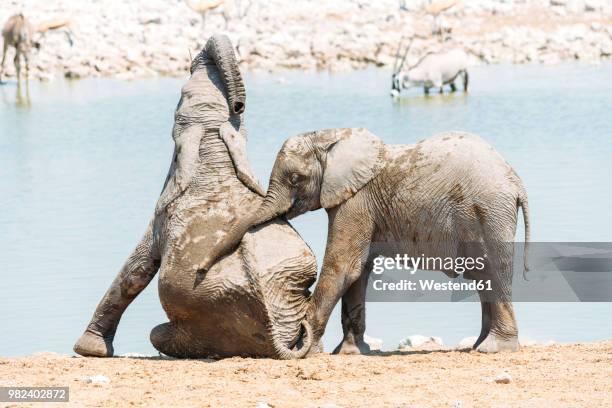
{"type": "Point", "coordinates": [568, 375]}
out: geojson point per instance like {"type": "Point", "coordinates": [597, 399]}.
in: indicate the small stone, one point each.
{"type": "Point", "coordinates": [467, 342]}
{"type": "Point", "coordinates": [420, 342]}
{"type": "Point", "coordinates": [374, 343]}
{"type": "Point", "coordinates": [135, 355]}
{"type": "Point", "coordinates": [503, 378]}
{"type": "Point", "coordinates": [262, 405]}
{"type": "Point", "coordinates": [97, 379]}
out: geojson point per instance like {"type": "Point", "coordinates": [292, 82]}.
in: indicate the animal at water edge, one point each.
{"type": "Point", "coordinates": [433, 70]}
{"type": "Point", "coordinates": [18, 32]}
{"type": "Point", "coordinates": [252, 302]}
{"type": "Point", "coordinates": [448, 196]}
{"type": "Point", "coordinates": [226, 7]}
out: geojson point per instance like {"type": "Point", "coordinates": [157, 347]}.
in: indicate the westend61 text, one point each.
{"type": "Point", "coordinates": [431, 285]}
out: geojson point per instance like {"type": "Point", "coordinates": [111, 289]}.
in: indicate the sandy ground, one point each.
{"type": "Point", "coordinates": [569, 375]}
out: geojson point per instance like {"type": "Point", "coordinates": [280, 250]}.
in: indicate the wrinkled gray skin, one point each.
{"type": "Point", "coordinates": [430, 198]}
{"type": "Point", "coordinates": [18, 32]}
{"type": "Point", "coordinates": [250, 303]}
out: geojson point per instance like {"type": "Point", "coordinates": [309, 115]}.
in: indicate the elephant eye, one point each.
{"type": "Point", "coordinates": [295, 178]}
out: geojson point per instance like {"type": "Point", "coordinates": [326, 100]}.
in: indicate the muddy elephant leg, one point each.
{"type": "Point", "coordinates": [503, 333]}
{"type": "Point", "coordinates": [174, 341]}
{"type": "Point", "coordinates": [135, 275]}
{"type": "Point", "coordinates": [346, 256]}
{"type": "Point", "coordinates": [353, 317]}
{"type": "Point", "coordinates": [453, 87]}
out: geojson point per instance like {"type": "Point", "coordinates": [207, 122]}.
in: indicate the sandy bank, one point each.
{"type": "Point", "coordinates": [155, 37]}
{"type": "Point", "coordinates": [569, 375]}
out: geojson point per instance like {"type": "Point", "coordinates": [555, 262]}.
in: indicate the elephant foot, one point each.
{"type": "Point", "coordinates": [494, 344]}
{"type": "Point", "coordinates": [349, 346]}
{"type": "Point", "coordinates": [94, 345]}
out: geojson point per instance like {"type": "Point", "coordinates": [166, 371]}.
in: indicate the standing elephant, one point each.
{"type": "Point", "coordinates": [251, 303]}
{"type": "Point", "coordinates": [437, 198]}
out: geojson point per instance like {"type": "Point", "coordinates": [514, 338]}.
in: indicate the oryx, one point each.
{"type": "Point", "coordinates": [433, 70]}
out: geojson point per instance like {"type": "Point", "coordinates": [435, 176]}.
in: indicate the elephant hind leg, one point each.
{"type": "Point", "coordinates": [135, 275]}
{"type": "Point", "coordinates": [163, 337]}
{"type": "Point", "coordinates": [503, 333]}
{"type": "Point", "coordinates": [170, 339]}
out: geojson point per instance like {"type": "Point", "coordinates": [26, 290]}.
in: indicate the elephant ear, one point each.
{"type": "Point", "coordinates": [236, 145]}
{"type": "Point", "coordinates": [184, 165]}
{"type": "Point", "coordinates": [353, 158]}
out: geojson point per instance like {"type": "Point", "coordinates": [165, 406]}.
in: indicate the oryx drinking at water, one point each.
{"type": "Point", "coordinates": [433, 70]}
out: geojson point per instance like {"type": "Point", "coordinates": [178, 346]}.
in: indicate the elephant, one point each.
{"type": "Point", "coordinates": [447, 196]}
{"type": "Point", "coordinates": [251, 303]}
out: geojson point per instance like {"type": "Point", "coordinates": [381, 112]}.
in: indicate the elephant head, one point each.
{"type": "Point", "coordinates": [213, 100]}
{"type": "Point", "coordinates": [312, 170]}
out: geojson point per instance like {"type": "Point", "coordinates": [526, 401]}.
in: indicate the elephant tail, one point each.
{"type": "Point", "coordinates": [524, 204]}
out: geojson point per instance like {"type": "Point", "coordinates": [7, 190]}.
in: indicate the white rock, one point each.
{"type": "Point", "coordinates": [262, 405]}
{"type": "Point", "coordinates": [97, 379]}
{"type": "Point", "coordinates": [135, 355]}
{"type": "Point", "coordinates": [418, 341]}
{"type": "Point", "coordinates": [467, 342]}
{"type": "Point", "coordinates": [374, 343]}
{"type": "Point", "coordinates": [503, 378]}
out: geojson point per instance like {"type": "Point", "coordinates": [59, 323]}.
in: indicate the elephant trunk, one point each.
{"type": "Point", "coordinates": [284, 353]}
{"type": "Point", "coordinates": [221, 50]}
{"type": "Point", "coordinates": [267, 211]}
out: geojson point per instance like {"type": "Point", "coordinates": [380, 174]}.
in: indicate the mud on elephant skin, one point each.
{"type": "Point", "coordinates": [428, 198]}
{"type": "Point", "coordinates": [252, 302]}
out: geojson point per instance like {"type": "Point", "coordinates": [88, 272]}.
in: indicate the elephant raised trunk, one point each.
{"type": "Point", "coordinates": [220, 49]}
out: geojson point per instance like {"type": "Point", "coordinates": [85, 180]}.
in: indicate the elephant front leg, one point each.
{"type": "Point", "coordinates": [342, 274]}
{"type": "Point", "coordinates": [353, 318]}
{"type": "Point", "coordinates": [139, 269]}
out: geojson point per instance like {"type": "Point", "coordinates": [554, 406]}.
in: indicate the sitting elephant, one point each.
{"type": "Point", "coordinates": [431, 198]}
{"type": "Point", "coordinates": [251, 303]}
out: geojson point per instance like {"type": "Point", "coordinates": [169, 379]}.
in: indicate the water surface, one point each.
{"type": "Point", "coordinates": [81, 168]}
